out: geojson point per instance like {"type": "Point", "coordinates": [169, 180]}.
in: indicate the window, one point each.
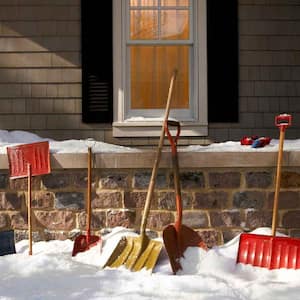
{"type": "Point", "coordinates": [151, 38]}
{"type": "Point", "coordinates": [121, 85]}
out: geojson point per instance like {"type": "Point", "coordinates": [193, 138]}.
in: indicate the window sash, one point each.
{"type": "Point", "coordinates": [131, 110]}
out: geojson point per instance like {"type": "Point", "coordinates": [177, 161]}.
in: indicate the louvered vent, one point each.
{"type": "Point", "coordinates": [98, 93]}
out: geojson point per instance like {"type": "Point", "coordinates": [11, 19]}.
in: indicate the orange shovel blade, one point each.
{"type": "Point", "coordinates": [81, 243]}
{"type": "Point", "coordinates": [176, 243]}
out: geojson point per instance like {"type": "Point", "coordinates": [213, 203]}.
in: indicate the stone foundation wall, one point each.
{"type": "Point", "coordinates": [218, 202]}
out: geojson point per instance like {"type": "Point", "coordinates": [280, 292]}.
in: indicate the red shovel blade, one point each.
{"type": "Point", "coordinates": [35, 154]}
{"type": "Point", "coordinates": [176, 243]}
{"type": "Point", "coordinates": [82, 243]}
{"type": "Point", "coordinates": [269, 252]}
{"type": "Point", "coordinates": [255, 249]}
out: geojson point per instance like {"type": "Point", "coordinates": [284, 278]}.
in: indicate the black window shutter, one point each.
{"type": "Point", "coordinates": [222, 54]}
{"type": "Point", "coordinates": [96, 60]}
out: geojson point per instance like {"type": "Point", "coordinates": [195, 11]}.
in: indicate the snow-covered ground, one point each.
{"type": "Point", "coordinates": [52, 273]}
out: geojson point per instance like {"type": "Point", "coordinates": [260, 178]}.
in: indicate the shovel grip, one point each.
{"type": "Point", "coordinates": [283, 121]}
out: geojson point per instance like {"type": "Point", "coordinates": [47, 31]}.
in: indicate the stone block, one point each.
{"type": "Point", "coordinates": [11, 201]}
{"type": "Point", "coordinates": [69, 200]}
{"type": "Point", "coordinates": [210, 237]}
{"type": "Point", "coordinates": [18, 220]}
{"type": "Point", "coordinates": [141, 180]}
{"type": "Point", "coordinates": [258, 218]}
{"type": "Point", "coordinates": [249, 199]}
{"type": "Point", "coordinates": [114, 181]}
{"type": "Point", "coordinates": [55, 220]}
{"type": "Point", "coordinates": [135, 199]}
{"type": "Point", "coordinates": [286, 200]}
{"type": "Point", "coordinates": [3, 220]}
{"type": "Point", "coordinates": [291, 219]}
{"type": "Point", "coordinates": [190, 180]}
{"type": "Point", "coordinates": [54, 235]}
{"type": "Point", "coordinates": [107, 199]}
{"type": "Point", "coordinates": [57, 180]}
{"type": "Point", "coordinates": [80, 180]}
{"type": "Point", "coordinates": [211, 200]}
{"type": "Point", "coordinates": [3, 181]}
{"type": "Point", "coordinates": [42, 199]}
{"type": "Point", "coordinates": [225, 218]}
{"type": "Point", "coordinates": [290, 179]}
{"type": "Point", "coordinates": [158, 220]}
{"type": "Point", "coordinates": [166, 200]}
{"type": "Point", "coordinates": [98, 220]}
{"type": "Point", "coordinates": [224, 180]}
{"type": "Point", "coordinates": [258, 179]}
{"type": "Point", "coordinates": [195, 219]}
{"type": "Point", "coordinates": [22, 183]}
{"type": "Point", "coordinates": [125, 218]}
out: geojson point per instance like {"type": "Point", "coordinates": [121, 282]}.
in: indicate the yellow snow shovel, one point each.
{"type": "Point", "coordinates": [140, 252]}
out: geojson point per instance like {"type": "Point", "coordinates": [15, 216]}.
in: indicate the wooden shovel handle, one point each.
{"type": "Point", "coordinates": [29, 220]}
{"type": "Point", "coordinates": [89, 192]}
{"type": "Point", "coordinates": [157, 159]}
{"type": "Point", "coordinates": [281, 121]}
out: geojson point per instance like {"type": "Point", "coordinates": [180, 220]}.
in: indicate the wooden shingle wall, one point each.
{"type": "Point", "coordinates": [269, 59]}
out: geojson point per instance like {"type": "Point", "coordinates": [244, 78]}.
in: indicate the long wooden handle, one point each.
{"type": "Point", "coordinates": [29, 220]}
{"type": "Point", "coordinates": [89, 191]}
{"type": "Point", "coordinates": [278, 179]}
{"type": "Point", "coordinates": [157, 159]}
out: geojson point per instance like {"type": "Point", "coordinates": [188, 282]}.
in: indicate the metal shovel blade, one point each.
{"type": "Point", "coordinates": [135, 253]}
{"type": "Point", "coordinates": [83, 243]}
{"type": "Point", "coordinates": [7, 242]}
{"type": "Point", "coordinates": [176, 243]}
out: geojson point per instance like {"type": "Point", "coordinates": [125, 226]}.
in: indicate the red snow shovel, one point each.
{"type": "Point", "coordinates": [177, 237]}
{"type": "Point", "coordinates": [26, 161]}
{"type": "Point", "coordinates": [85, 242]}
{"type": "Point", "coordinates": [270, 251]}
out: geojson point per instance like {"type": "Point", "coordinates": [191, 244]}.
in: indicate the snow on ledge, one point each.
{"type": "Point", "coordinates": [11, 138]}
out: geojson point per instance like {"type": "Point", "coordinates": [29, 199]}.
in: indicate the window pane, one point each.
{"type": "Point", "coordinates": [175, 2]}
{"type": "Point", "coordinates": [174, 24]}
{"type": "Point", "coordinates": [151, 68]}
{"type": "Point", "coordinates": [143, 25]}
{"type": "Point", "coordinates": [143, 2]}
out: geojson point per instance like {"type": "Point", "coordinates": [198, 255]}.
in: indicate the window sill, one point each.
{"type": "Point", "coordinates": [153, 129]}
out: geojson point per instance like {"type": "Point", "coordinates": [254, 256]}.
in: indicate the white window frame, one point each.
{"type": "Point", "coordinates": [126, 122]}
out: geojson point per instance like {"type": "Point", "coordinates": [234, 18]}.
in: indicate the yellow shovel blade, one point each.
{"type": "Point", "coordinates": [135, 253]}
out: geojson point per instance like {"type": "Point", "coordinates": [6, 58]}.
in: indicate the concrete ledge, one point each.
{"type": "Point", "coordinates": [145, 159]}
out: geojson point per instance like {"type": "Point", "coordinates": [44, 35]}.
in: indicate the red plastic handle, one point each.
{"type": "Point", "coordinates": [283, 121]}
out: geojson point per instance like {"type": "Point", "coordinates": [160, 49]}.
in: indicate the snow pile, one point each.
{"type": "Point", "coordinates": [52, 273]}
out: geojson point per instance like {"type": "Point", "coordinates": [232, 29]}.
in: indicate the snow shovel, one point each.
{"type": "Point", "coordinates": [270, 251]}
{"type": "Point", "coordinates": [140, 252]}
{"type": "Point", "coordinates": [85, 242]}
{"type": "Point", "coordinates": [29, 160]}
{"type": "Point", "coordinates": [177, 237]}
